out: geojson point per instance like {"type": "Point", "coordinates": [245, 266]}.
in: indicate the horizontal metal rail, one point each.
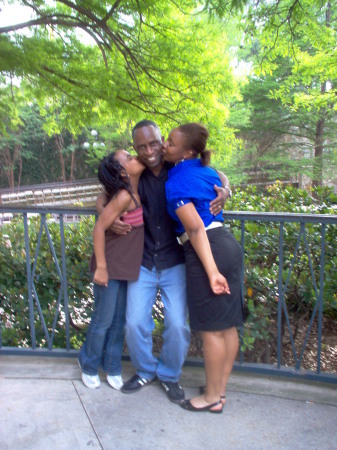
{"type": "Point", "coordinates": [283, 319]}
{"type": "Point", "coordinates": [50, 197]}
{"type": "Point", "coordinates": [55, 185]}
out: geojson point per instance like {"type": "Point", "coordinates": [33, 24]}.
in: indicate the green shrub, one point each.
{"type": "Point", "coordinates": [15, 316]}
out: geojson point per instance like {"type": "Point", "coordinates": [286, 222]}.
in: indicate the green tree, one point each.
{"type": "Point", "coordinates": [11, 134]}
{"type": "Point", "coordinates": [153, 59]}
{"type": "Point", "coordinates": [297, 50]}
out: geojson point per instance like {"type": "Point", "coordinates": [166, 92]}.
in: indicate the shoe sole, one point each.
{"type": "Point", "coordinates": [114, 387]}
{"type": "Point", "coordinates": [177, 402]}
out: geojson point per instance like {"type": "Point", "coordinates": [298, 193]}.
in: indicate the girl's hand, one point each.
{"type": "Point", "coordinates": [219, 284]}
{"type": "Point", "coordinates": [101, 277]}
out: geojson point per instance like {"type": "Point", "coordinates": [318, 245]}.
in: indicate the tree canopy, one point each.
{"type": "Point", "coordinates": [292, 91]}
{"type": "Point", "coordinates": [150, 58]}
{"type": "Point", "coordinates": [107, 65]}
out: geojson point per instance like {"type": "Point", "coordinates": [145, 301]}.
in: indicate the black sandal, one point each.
{"type": "Point", "coordinates": [202, 390]}
{"type": "Point", "coordinates": [186, 404]}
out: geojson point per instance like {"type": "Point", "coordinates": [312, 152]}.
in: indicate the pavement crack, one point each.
{"type": "Point", "coordinates": [87, 414]}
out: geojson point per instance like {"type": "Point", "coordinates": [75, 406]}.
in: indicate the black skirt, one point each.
{"type": "Point", "coordinates": [208, 311]}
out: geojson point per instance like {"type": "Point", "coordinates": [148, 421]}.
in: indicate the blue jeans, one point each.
{"type": "Point", "coordinates": [103, 345]}
{"type": "Point", "coordinates": [139, 322]}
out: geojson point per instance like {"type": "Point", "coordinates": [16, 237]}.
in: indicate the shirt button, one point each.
{"type": "Point", "coordinates": [158, 227]}
{"type": "Point", "coordinates": [158, 243]}
{"type": "Point", "coordinates": [155, 255]}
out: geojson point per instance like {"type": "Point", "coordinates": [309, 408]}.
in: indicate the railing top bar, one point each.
{"type": "Point", "coordinates": [237, 215]}
{"type": "Point", "coordinates": [280, 217]}
{"type": "Point", "coordinates": [41, 187]}
{"type": "Point", "coordinates": [47, 210]}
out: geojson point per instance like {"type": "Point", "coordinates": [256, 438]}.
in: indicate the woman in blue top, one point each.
{"type": "Point", "coordinates": [213, 260]}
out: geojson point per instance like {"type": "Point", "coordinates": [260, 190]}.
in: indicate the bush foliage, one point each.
{"type": "Point", "coordinates": [261, 258]}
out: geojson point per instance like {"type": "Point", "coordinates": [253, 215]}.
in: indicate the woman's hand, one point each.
{"type": "Point", "coordinates": [101, 277]}
{"type": "Point", "coordinates": [219, 284]}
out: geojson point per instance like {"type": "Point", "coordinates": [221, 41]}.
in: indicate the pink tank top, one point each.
{"type": "Point", "coordinates": [134, 217]}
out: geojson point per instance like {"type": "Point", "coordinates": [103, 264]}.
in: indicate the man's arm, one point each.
{"type": "Point", "coordinates": [223, 193]}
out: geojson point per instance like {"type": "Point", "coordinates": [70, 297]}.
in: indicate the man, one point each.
{"type": "Point", "coordinates": [162, 270]}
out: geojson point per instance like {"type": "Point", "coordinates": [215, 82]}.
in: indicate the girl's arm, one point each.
{"type": "Point", "coordinates": [118, 226]}
{"type": "Point", "coordinates": [195, 229]}
{"type": "Point", "coordinates": [112, 210]}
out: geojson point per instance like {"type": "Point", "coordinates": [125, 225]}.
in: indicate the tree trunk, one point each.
{"type": "Point", "coordinates": [318, 155]}
{"type": "Point", "coordinates": [9, 160]}
{"type": "Point", "coordinates": [319, 135]}
{"type": "Point", "coordinates": [20, 172]}
{"type": "Point", "coordinates": [72, 166]}
{"type": "Point", "coordinates": [59, 146]}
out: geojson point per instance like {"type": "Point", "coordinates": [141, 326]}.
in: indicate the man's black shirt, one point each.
{"type": "Point", "coordinates": [161, 248]}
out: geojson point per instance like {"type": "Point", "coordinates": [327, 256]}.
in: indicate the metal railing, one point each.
{"type": "Point", "coordinates": [52, 194]}
{"type": "Point", "coordinates": [244, 218]}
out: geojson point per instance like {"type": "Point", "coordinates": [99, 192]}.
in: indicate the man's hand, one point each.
{"type": "Point", "coordinates": [120, 227]}
{"type": "Point", "coordinates": [218, 203]}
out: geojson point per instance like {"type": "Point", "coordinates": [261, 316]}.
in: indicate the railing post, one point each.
{"type": "Point", "coordinates": [29, 283]}
{"type": "Point", "coordinates": [280, 298]}
{"type": "Point", "coordinates": [320, 299]}
{"type": "Point", "coordinates": [65, 282]}
{"type": "Point", "coordinates": [242, 222]}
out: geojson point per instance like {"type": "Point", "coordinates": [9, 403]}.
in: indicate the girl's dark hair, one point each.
{"type": "Point", "coordinates": [196, 136]}
{"type": "Point", "coordinates": [112, 175]}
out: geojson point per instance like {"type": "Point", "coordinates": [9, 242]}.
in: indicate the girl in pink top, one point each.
{"type": "Point", "coordinates": [116, 260]}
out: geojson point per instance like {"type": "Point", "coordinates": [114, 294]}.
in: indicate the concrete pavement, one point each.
{"type": "Point", "coordinates": [44, 405]}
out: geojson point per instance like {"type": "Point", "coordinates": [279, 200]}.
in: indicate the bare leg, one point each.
{"type": "Point", "coordinates": [214, 357]}
{"type": "Point", "coordinates": [232, 345]}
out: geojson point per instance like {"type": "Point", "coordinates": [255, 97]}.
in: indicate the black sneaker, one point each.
{"type": "Point", "coordinates": [135, 383]}
{"type": "Point", "coordinates": [174, 392]}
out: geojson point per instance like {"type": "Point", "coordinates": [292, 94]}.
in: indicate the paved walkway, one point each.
{"type": "Point", "coordinates": [45, 406]}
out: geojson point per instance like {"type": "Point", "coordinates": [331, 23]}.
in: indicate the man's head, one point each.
{"type": "Point", "coordinates": [148, 143]}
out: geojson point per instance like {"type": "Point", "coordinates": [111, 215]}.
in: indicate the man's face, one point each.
{"type": "Point", "coordinates": [148, 144]}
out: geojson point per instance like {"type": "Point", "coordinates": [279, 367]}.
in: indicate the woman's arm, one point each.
{"type": "Point", "coordinates": [112, 210]}
{"type": "Point", "coordinates": [195, 229]}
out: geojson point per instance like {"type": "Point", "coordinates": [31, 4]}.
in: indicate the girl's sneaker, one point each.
{"type": "Point", "coordinates": [91, 381]}
{"type": "Point", "coordinates": [115, 381]}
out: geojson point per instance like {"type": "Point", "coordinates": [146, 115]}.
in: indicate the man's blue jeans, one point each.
{"type": "Point", "coordinates": [139, 322]}
{"type": "Point", "coordinates": [103, 345]}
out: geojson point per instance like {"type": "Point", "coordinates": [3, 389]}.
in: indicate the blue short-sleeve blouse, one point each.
{"type": "Point", "coordinates": [190, 181]}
